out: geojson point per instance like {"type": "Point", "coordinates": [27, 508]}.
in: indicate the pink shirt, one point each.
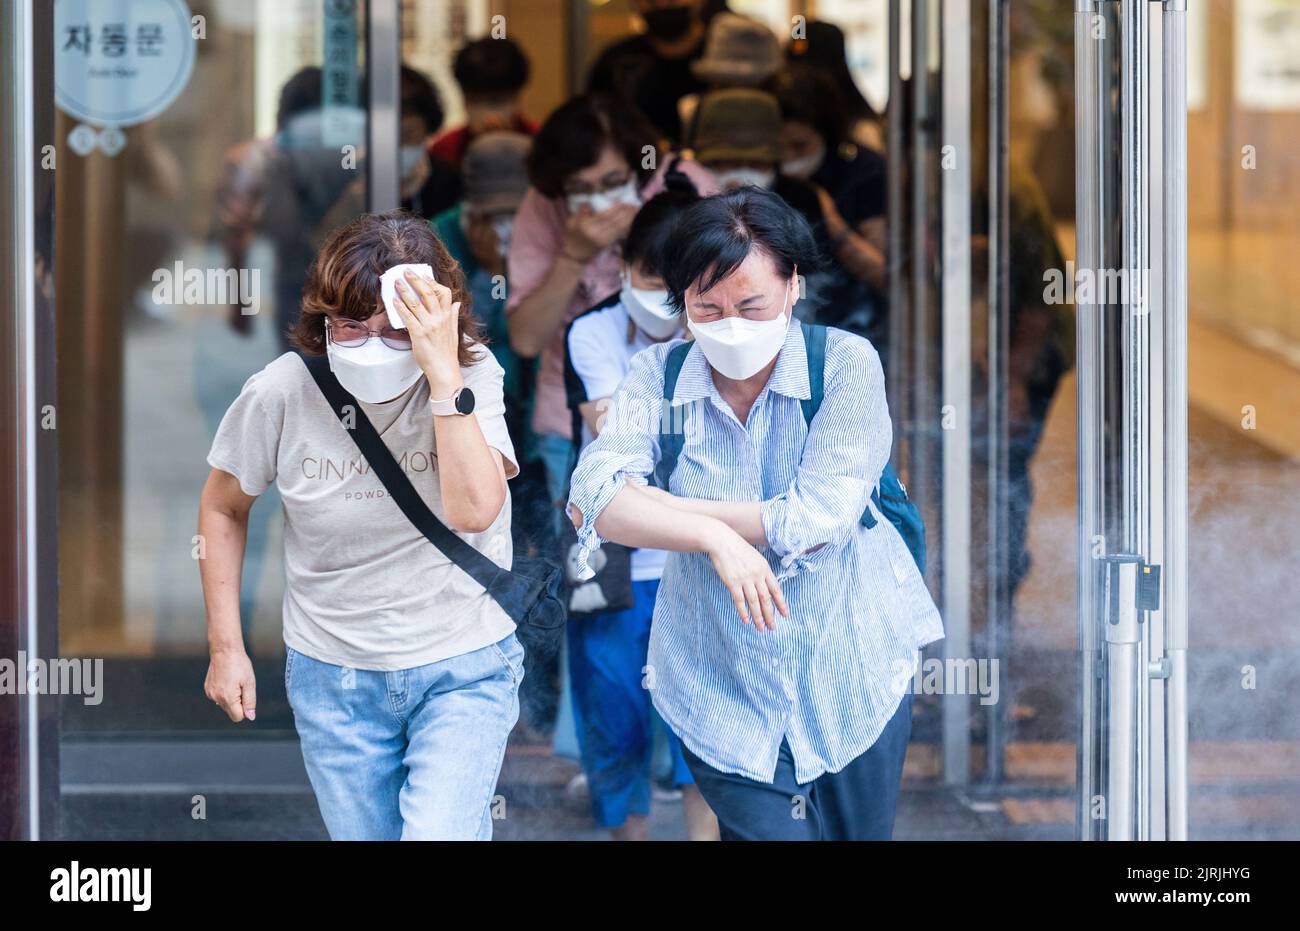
{"type": "Point", "coordinates": [534, 246]}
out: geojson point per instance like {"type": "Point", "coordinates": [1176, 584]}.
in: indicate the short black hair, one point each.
{"type": "Point", "coordinates": [573, 136]}
{"type": "Point", "coordinates": [656, 221]}
{"type": "Point", "coordinates": [717, 234]}
{"type": "Point", "coordinates": [491, 66]}
{"type": "Point", "coordinates": [300, 94]}
{"type": "Point", "coordinates": [419, 96]}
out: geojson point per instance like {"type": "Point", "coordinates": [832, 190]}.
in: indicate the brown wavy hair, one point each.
{"type": "Point", "coordinates": [344, 279]}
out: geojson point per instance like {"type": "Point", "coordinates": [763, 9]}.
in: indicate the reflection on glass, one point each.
{"type": "Point", "coordinates": [180, 261]}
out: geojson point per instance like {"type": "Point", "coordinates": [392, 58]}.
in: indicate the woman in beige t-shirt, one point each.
{"type": "Point", "coordinates": [402, 672]}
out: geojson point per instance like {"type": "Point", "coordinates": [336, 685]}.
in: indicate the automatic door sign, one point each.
{"type": "Point", "coordinates": [120, 62]}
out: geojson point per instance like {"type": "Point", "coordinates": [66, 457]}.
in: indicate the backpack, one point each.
{"type": "Point", "coordinates": [889, 496]}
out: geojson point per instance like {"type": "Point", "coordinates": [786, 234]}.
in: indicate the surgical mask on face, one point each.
{"type": "Point", "coordinates": [650, 310]}
{"type": "Point", "coordinates": [504, 226]}
{"type": "Point", "coordinates": [806, 166]}
{"type": "Point", "coordinates": [603, 200]}
{"type": "Point", "coordinates": [410, 157]}
{"type": "Point", "coordinates": [739, 348]}
{"type": "Point", "coordinates": [740, 177]}
{"type": "Point", "coordinates": [373, 372]}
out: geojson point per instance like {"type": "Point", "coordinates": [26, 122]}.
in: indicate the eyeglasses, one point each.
{"type": "Point", "coordinates": [354, 333]}
{"type": "Point", "coordinates": [605, 185]}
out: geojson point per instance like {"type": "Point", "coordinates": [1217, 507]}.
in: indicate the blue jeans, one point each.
{"type": "Point", "coordinates": [412, 754]}
{"type": "Point", "coordinates": [607, 657]}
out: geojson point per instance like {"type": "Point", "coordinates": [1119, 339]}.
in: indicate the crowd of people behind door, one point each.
{"type": "Point", "coordinates": [560, 228]}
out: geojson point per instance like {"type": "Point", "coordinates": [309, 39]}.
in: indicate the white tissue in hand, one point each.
{"type": "Point", "coordinates": [388, 292]}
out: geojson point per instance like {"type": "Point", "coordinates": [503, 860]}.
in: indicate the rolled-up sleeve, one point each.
{"type": "Point", "coordinates": [626, 449]}
{"type": "Point", "coordinates": [847, 448]}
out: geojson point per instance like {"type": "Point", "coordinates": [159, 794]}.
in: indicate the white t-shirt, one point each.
{"type": "Point", "coordinates": [363, 587]}
{"type": "Point", "coordinates": [601, 344]}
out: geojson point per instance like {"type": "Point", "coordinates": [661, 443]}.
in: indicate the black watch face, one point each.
{"type": "Point", "coordinates": [465, 401]}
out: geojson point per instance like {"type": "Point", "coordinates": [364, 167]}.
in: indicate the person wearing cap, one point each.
{"type": "Point", "coordinates": [477, 233]}
{"type": "Point", "coordinates": [491, 74]}
{"type": "Point", "coordinates": [738, 138]}
{"type": "Point", "coordinates": [740, 52]}
{"type": "Point", "coordinates": [651, 71]}
{"type": "Point", "coordinates": [738, 134]}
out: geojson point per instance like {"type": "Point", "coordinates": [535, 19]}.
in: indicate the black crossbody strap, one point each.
{"type": "Point", "coordinates": [507, 589]}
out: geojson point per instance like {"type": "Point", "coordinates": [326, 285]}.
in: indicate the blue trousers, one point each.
{"type": "Point", "coordinates": [607, 657]}
{"type": "Point", "coordinates": [857, 803]}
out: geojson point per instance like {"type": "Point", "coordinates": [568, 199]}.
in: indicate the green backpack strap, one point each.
{"type": "Point", "coordinates": [672, 438]}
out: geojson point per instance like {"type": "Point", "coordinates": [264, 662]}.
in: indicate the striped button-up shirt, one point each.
{"type": "Point", "coordinates": [831, 675]}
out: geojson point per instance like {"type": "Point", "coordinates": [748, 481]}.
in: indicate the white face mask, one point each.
{"type": "Point", "coordinates": [740, 177]}
{"type": "Point", "coordinates": [504, 225]}
{"type": "Point", "coordinates": [409, 158]}
{"type": "Point", "coordinates": [737, 347]}
{"type": "Point", "coordinates": [373, 372]}
{"type": "Point", "coordinates": [603, 200]}
{"type": "Point", "coordinates": [650, 310]}
{"type": "Point", "coordinates": [805, 167]}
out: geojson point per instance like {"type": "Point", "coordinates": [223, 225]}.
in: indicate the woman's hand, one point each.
{"type": "Point", "coordinates": [586, 233]}
{"type": "Point", "coordinates": [433, 320]}
{"type": "Point", "coordinates": [231, 684]}
{"type": "Point", "coordinates": [748, 578]}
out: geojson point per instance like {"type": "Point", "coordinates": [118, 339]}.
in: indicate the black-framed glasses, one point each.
{"type": "Point", "coordinates": [354, 333]}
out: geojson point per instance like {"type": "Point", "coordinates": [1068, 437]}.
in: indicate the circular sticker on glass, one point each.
{"type": "Point", "coordinates": [120, 62]}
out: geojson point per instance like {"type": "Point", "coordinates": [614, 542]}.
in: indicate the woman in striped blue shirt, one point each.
{"type": "Point", "coordinates": [786, 629]}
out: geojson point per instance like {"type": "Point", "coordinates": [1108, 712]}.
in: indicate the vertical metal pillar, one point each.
{"type": "Point", "coordinates": [896, 193]}
{"type": "Point", "coordinates": [997, 611]}
{"type": "Point", "coordinates": [1174, 307]}
{"type": "Point", "coordinates": [28, 552]}
{"type": "Point", "coordinates": [1089, 208]}
{"type": "Point", "coordinates": [955, 384]}
{"type": "Point", "coordinates": [384, 106]}
{"type": "Point", "coordinates": [1132, 572]}
{"type": "Point", "coordinates": [920, 334]}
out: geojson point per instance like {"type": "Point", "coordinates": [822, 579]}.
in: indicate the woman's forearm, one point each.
{"type": "Point", "coordinates": [470, 474]}
{"type": "Point", "coordinates": [744, 517]}
{"type": "Point", "coordinates": [635, 519]}
{"type": "Point", "coordinates": [222, 536]}
{"type": "Point", "coordinates": [536, 319]}
{"type": "Point", "coordinates": [862, 259]}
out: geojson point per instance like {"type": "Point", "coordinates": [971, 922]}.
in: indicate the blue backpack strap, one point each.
{"type": "Point", "coordinates": [814, 342]}
{"type": "Point", "coordinates": [672, 438]}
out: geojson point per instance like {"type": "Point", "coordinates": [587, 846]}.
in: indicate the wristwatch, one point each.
{"type": "Point", "coordinates": [462, 403]}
